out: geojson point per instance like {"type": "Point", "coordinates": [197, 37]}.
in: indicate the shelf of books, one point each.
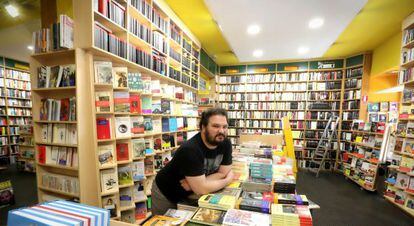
{"type": "Point", "coordinates": [15, 109]}
{"type": "Point", "coordinates": [400, 179]}
{"type": "Point", "coordinates": [113, 105]}
{"type": "Point", "coordinates": [309, 92]}
{"type": "Point", "coordinates": [361, 153]}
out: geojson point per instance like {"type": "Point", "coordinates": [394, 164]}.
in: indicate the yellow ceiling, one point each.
{"type": "Point", "coordinates": [377, 21]}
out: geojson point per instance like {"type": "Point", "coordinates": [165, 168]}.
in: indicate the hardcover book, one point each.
{"type": "Point", "coordinates": [109, 181]}
{"type": "Point", "coordinates": [122, 152]}
{"type": "Point", "coordinates": [103, 127]}
{"type": "Point", "coordinates": [120, 77]}
{"type": "Point", "coordinates": [103, 72]}
{"type": "Point", "coordinates": [106, 155]}
{"type": "Point", "coordinates": [103, 101]}
{"type": "Point", "coordinates": [137, 125]}
{"type": "Point", "coordinates": [208, 216]}
{"type": "Point", "coordinates": [138, 147]}
{"type": "Point", "coordinates": [122, 127]}
{"type": "Point", "coordinates": [125, 175]}
{"type": "Point", "coordinates": [135, 82]}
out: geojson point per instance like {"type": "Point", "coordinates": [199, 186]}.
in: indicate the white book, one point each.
{"type": "Point", "coordinates": [44, 135]}
{"type": "Point", "coordinates": [103, 72]}
{"type": "Point", "coordinates": [71, 135]}
{"type": "Point", "coordinates": [49, 133]}
{"type": "Point", "coordinates": [122, 127]}
{"type": "Point", "coordinates": [59, 133]}
{"type": "Point", "coordinates": [138, 171]}
{"type": "Point", "coordinates": [109, 181]}
{"type": "Point", "coordinates": [156, 125]}
{"type": "Point", "coordinates": [106, 155]}
{"type": "Point", "coordinates": [66, 32]}
{"type": "Point", "coordinates": [54, 155]}
{"type": "Point", "coordinates": [120, 77]}
{"type": "Point", "coordinates": [49, 158]}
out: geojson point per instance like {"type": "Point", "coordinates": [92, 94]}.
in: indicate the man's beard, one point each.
{"type": "Point", "coordinates": [212, 140]}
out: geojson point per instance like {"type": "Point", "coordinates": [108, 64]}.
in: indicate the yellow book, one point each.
{"type": "Point", "coordinates": [158, 220]}
{"type": "Point", "coordinates": [358, 139]}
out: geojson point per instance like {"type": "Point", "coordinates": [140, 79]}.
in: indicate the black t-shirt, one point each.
{"type": "Point", "coordinates": [192, 158]}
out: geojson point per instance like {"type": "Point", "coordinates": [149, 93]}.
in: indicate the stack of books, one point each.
{"type": "Point", "coordinates": [256, 184]}
{"type": "Point", "coordinates": [284, 184]}
{"type": "Point", "coordinates": [217, 201]}
{"type": "Point", "coordinates": [291, 199]}
{"type": "Point", "coordinates": [261, 168]}
{"type": "Point", "coordinates": [59, 213]}
{"type": "Point", "coordinates": [241, 217]}
{"type": "Point", "coordinates": [285, 214]}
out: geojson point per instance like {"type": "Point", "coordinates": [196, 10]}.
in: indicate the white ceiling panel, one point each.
{"type": "Point", "coordinates": [284, 25]}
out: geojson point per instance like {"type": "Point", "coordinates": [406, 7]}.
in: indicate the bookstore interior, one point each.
{"type": "Point", "coordinates": [98, 96]}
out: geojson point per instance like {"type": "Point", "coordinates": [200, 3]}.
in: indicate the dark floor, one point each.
{"type": "Point", "coordinates": [341, 201]}
{"type": "Point", "coordinates": [24, 186]}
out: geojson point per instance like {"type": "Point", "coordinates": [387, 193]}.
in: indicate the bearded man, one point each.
{"type": "Point", "coordinates": [201, 165]}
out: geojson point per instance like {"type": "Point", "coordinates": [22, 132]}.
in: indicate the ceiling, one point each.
{"type": "Point", "coordinates": [375, 23]}
{"type": "Point", "coordinates": [284, 26]}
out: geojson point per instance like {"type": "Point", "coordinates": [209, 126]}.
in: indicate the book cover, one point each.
{"type": "Point", "coordinates": [135, 82]}
{"type": "Point", "coordinates": [68, 75]}
{"type": "Point", "coordinates": [208, 216]}
{"type": "Point", "coordinates": [138, 147]}
{"type": "Point", "coordinates": [121, 102]}
{"type": "Point", "coordinates": [402, 180]}
{"type": "Point", "coordinates": [235, 217]}
{"type": "Point", "coordinates": [71, 134]}
{"type": "Point", "coordinates": [122, 152]}
{"type": "Point", "coordinates": [62, 159]}
{"type": "Point", "coordinates": [165, 124]}
{"type": "Point", "coordinates": [384, 106]}
{"type": "Point", "coordinates": [103, 101]}
{"type": "Point", "coordinates": [157, 143]}
{"type": "Point", "coordinates": [41, 154]}
{"type": "Point", "coordinates": [149, 146]}
{"type": "Point", "coordinates": [148, 125]}
{"type": "Point", "coordinates": [165, 106]}
{"type": "Point", "coordinates": [146, 82]}
{"type": "Point", "coordinates": [120, 77]}
{"type": "Point", "coordinates": [149, 165]}
{"type": "Point", "coordinates": [373, 107]}
{"type": "Point", "coordinates": [137, 125]}
{"type": "Point", "coordinates": [103, 72]}
{"type": "Point", "coordinates": [140, 211]}
{"type": "Point", "coordinates": [156, 106]}
{"type": "Point", "coordinates": [125, 175]}
{"type": "Point", "coordinates": [138, 171]}
{"type": "Point", "coordinates": [135, 103]}
{"type": "Point", "coordinates": [156, 125]}
{"type": "Point", "coordinates": [122, 127]}
{"type": "Point", "coordinates": [160, 220]}
{"type": "Point", "coordinates": [125, 196]}
{"type": "Point", "coordinates": [109, 203]}
{"type": "Point", "coordinates": [155, 87]}
{"type": "Point", "coordinates": [106, 155]}
{"type": "Point", "coordinates": [109, 181]}
{"type": "Point", "coordinates": [146, 104]}
{"type": "Point", "coordinates": [103, 127]}
{"type": "Point", "coordinates": [64, 111]}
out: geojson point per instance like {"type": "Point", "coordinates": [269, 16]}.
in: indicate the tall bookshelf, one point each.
{"type": "Point", "coordinates": [15, 108]}
{"type": "Point", "coordinates": [170, 57]}
{"type": "Point", "coordinates": [400, 181]}
{"type": "Point", "coordinates": [258, 96]}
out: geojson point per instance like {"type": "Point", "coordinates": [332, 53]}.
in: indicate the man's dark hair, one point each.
{"type": "Point", "coordinates": [206, 114]}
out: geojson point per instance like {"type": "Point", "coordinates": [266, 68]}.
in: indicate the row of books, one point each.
{"type": "Point", "coordinates": [16, 84]}
{"type": "Point", "coordinates": [408, 36]}
{"type": "Point", "coordinates": [58, 109]}
{"type": "Point", "coordinates": [60, 156]}
{"type": "Point", "coordinates": [56, 76]}
{"type": "Point", "coordinates": [139, 29]}
{"type": "Point", "coordinates": [17, 103]}
{"type": "Point", "coordinates": [407, 55]}
{"type": "Point", "coordinates": [14, 93]}
{"type": "Point", "coordinates": [59, 134]}
{"type": "Point", "coordinates": [353, 84]}
{"type": "Point", "coordinates": [111, 9]}
{"type": "Point", "coordinates": [175, 32]}
{"type": "Point", "coordinates": [354, 72]}
{"type": "Point", "coordinates": [17, 121]}
{"type": "Point", "coordinates": [11, 111]}
{"type": "Point", "coordinates": [159, 42]}
{"type": "Point", "coordinates": [67, 184]}
{"type": "Point", "coordinates": [58, 36]}
{"type": "Point", "coordinates": [159, 21]}
{"type": "Point", "coordinates": [106, 40]}
{"type": "Point", "coordinates": [143, 7]}
{"type": "Point", "coordinates": [405, 75]}
{"type": "Point", "coordinates": [15, 74]}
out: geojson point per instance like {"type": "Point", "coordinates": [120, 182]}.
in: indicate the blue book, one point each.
{"type": "Point", "coordinates": [173, 124]}
{"type": "Point", "coordinates": [165, 125]}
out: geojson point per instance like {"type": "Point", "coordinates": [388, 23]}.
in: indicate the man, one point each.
{"type": "Point", "coordinates": [201, 165]}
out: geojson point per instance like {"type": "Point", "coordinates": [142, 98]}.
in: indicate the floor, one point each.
{"type": "Point", "coordinates": [341, 201]}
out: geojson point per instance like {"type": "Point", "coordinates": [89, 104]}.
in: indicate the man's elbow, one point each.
{"type": "Point", "coordinates": [200, 190]}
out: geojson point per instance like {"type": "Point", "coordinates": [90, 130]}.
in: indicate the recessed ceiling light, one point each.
{"type": "Point", "coordinates": [253, 29]}
{"type": "Point", "coordinates": [316, 23]}
{"type": "Point", "coordinates": [12, 10]}
{"type": "Point", "coordinates": [30, 47]}
{"type": "Point", "coordinates": [258, 53]}
{"type": "Point", "coordinates": [303, 50]}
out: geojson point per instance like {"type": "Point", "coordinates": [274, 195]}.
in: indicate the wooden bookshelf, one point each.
{"type": "Point", "coordinates": [89, 170]}
{"type": "Point", "coordinates": [402, 156]}
{"type": "Point", "coordinates": [15, 113]}
{"type": "Point", "coordinates": [249, 89]}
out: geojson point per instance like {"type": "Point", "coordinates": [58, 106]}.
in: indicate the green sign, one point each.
{"type": "Point", "coordinates": [355, 60]}
{"type": "Point", "coordinates": [233, 69]}
{"type": "Point", "coordinates": [326, 64]}
{"type": "Point", "coordinates": [293, 66]}
{"type": "Point", "coordinates": [261, 68]}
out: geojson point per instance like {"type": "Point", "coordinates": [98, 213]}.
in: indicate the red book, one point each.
{"type": "Point", "coordinates": [64, 109]}
{"type": "Point", "coordinates": [41, 156]}
{"type": "Point", "coordinates": [135, 103]}
{"type": "Point", "coordinates": [103, 7]}
{"type": "Point", "coordinates": [103, 128]}
{"type": "Point", "coordinates": [122, 152]}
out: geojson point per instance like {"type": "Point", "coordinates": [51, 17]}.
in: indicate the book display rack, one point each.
{"type": "Point", "coordinates": [111, 108]}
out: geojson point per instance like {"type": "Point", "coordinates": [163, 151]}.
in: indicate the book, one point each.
{"type": "Point", "coordinates": [103, 127]}
{"type": "Point", "coordinates": [121, 102]}
{"type": "Point", "coordinates": [165, 106]}
{"type": "Point", "coordinates": [106, 155]}
{"type": "Point", "coordinates": [214, 201]}
{"type": "Point", "coordinates": [103, 101]}
{"type": "Point", "coordinates": [109, 180]}
{"type": "Point", "coordinates": [148, 125]}
{"type": "Point", "coordinates": [103, 72]}
{"type": "Point", "coordinates": [156, 106]}
{"type": "Point", "coordinates": [148, 165]}
{"type": "Point", "coordinates": [125, 196]}
{"type": "Point", "coordinates": [120, 77]}
{"type": "Point", "coordinates": [146, 104]}
{"type": "Point", "coordinates": [135, 82]}
{"type": "Point", "coordinates": [208, 216]}
{"type": "Point", "coordinates": [140, 210]}
{"type": "Point", "coordinates": [402, 180]}
{"type": "Point", "coordinates": [138, 148]}
{"type": "Point", "coordinates": [373, 107]}
{"type": "Point", "coordinates": [235, 217]}
{"type": "Point", "coordinates": [109, 203]}
{"type": "Point", "coordinates": [183, 215]}
{"type": "Point", "coordinates": [137, 125]}
{"type": "Point", "coordinates": [135, 103]}
{"type": "Point", "coordinates": [122, 127]}
{"type": "Point", "coordinates": [138, 171]}
{"type": "Point", "coordinates": [158, 220]}
{"type": "Point", "coordinates": [124, 175]}
{"type": "Point", "coordinates": [122, 152]}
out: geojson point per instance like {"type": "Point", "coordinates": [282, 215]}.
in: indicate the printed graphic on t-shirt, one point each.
{"type": "Point", "coordinates": [211, 165]}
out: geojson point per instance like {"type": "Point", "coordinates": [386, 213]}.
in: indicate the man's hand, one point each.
{"type": "Point", "coordinates": [185, 185]}
{"type": "Point", "coordinates": [230, 176]}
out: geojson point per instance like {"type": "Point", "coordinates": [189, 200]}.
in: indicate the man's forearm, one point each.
{"type": "Point", "coordinates": [215, 176]}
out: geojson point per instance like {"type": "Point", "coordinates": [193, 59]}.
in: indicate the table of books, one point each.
{"type": "Point", "coordinates": [262, 194]}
